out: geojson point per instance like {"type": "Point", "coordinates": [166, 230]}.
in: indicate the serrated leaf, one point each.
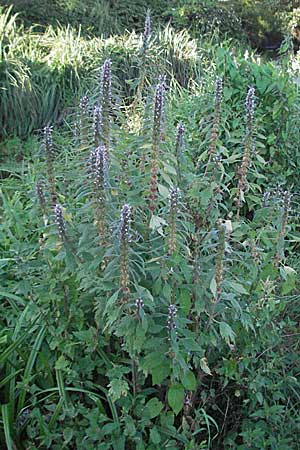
{"type": "Point", "coordinates": [227, 333]}
{"type": "Point", "coordinates": [176, 397]}
{"type": "Point", "coordinates": [160, 373]}
{"type": "Point", "coordinates": [188, 380]}
{"type": "Point", "coordinates": [153, 408]}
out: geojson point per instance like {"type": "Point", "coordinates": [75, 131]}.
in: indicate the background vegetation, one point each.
{"type": "Point", "coordinates": [150, 233]}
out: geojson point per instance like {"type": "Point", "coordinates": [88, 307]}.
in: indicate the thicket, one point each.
{"type": "Point", "coordinates": [149, 256]}
{"type": "Point", "coordinates": [97, 17]}
{"type": "Point", "coordinates": [265, 23]}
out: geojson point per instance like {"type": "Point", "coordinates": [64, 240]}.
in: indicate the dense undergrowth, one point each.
{"type": "Point", "coordinates": [149, 248]}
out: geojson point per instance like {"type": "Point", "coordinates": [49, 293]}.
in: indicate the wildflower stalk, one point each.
{"type": "Point", "coordinates": [216, 122]}
{"type": "Point", "coordinates": [106, 104]}
{"type": "Point", "coordinates": [49, 152]}
{"type": "Point", "coordinates": [248, 147]}
{"type": "Point", "coordinates": [178, 151]}
{"type": "Point", "coordinates": [219, 267]}
{"type": "Point", "coordinates": [83, 121]}
{"type": "Point", "coordinates": [124, 251]}
{"type": "Point", "coordinates": [171, 321]}
{"type": "Point", "coordinates": [41, 199]}
{"type": "Point", "coordinates": [99, 174]}
{"type": "Point", "coordinates": [97, 125]}
{"type": "Point", "coordinates": [158, 117]}
{"type": "Point", "coordinates": [60, 222]}
{"type": "Point", "coordinates": [172, 241]}
{"type": "Point", "coordinates": [283, 225]}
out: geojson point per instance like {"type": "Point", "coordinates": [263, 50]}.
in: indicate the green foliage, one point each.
{"type": "Point", "coordinates": [144, 307]}
{"type": "Point", "coordinates": [263, 21]}
{"type": "Point", "coordinates": [42, 72]}
{"type": "Point", "coordinates": [98, 17]}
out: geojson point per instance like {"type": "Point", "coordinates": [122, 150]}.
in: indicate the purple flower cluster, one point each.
{"type": "Point", "coordinates": [105, 80]}
{"type": "Point", "coordinates": [97, 124]}
{"type": "Point", "coordinates": [125, 223]}
{"type": "Point", "coordinates": [172, 316]}
{"type": "Point", "coordinates": [59, 220]}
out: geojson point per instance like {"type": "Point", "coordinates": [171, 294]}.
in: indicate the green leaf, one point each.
{"type": "Point", "coordinates": [164, 192]}
{"type": "Point", "coordinates": [213, 287]}
{"type": "Point", "coordinates": [288, 285]}
{"type": "Point", "coordinates": [118, 389]}
{"type": "Point", "coordinates": [237, 287]}
{"type": "Point", "coordinates": [157, 223]}
{"type": "Point", "coordinates": [153, 408]}
{"type": "Point", "coordinates": [155, 436]}
{"type": "Point", "coordinates": [188, 380]}
{"type": "Point", "coordinates": [160, 373]}
{"type": "Point", "coordinates": [176, 397]}
{"type": "Point", "coordinates": [227, 333]}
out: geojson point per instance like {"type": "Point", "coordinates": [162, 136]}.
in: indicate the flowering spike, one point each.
{"type": "Point", "coordinates": [248, 147]}
{"type": "Point", "coordinates": [49, 153]}
{"type": "Point", "coordinates": [219, 268]}
{"type": "Point", "coordinates": [59, 220]}
{"type": "Point", "coordinates": [158, 116]}
{"type": "Point", "coordinates": [97, 123]}
{"type": "Point", "coordinates": [83, 125]}
{"type": "Point", "coordinates": [100, 167]}
{"type": "Point", "coordinates": [178, 150]}
{"type": "Point", "coordinates": [172, 219]}
{"type": "Point", "coordinates": [286, 203]}
{"type": "Point", "coordinates": [40, 195]}
{"type": "Point", "coordinates": [124, 241]}
{"type": "Point", "coordinates": [105, 82]}
{"type": "Point", "coordinates": [216, 121]}
{"type": "Point", "coordinates": [48, 141]}
{"type": "Point", "coordinates": [147, 32]}
{"type": "Point", "coordinates": [250, 108]}
{"type": "Point", "coordinates": [171, 320]}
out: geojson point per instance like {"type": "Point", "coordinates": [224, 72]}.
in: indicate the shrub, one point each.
{"type": "Point", "coordinates": [143, 309]}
